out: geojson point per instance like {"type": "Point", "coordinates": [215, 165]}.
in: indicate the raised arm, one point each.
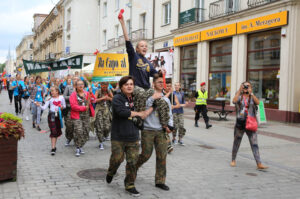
{"type": "Point", "coordinates": [126, 37]}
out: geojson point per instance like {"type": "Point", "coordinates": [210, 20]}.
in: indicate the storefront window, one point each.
{"type": "Point", "coordinates": [188, 62]}
{"type": "Point", "coordinates": [220, 69]}
{"type": "Point", "coordinates": [264, 66]}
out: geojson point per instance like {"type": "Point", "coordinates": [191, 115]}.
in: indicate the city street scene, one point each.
{"type": "Point", "coordinates": [150, 99]}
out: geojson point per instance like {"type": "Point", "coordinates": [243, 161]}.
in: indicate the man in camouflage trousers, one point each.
{"type": "Point", "coordinates": [154, 134]}
{"type": "Point", "coordinates": [103, 115]}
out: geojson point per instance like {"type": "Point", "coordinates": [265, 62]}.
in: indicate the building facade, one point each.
{"type": "Point", "coordinates": [24, 51]}
{"type": "Point", "coordinates": [252, 40]}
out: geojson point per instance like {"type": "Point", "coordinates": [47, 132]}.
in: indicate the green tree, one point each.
{"type": "Point", "coordinates": [2, 66]}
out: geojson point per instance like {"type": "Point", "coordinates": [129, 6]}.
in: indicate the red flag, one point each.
{"type": "Point", "coordinates": [3, 74]}
{"type": "Point", "coordinates": [121, 14]}
{"type": "Point", "coordinates": [96, 52]}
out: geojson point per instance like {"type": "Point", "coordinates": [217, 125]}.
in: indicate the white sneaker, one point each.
{"type": "Point", "coordinates": [101, 147]}
{"type": "Point", "coordinates": [181, 143]}
{"type": "Point", "coordinates": [67, 143]}
{"type": "Point", "coordinates": [77, 152]}
{"type": "Point", "coordinates": [27, 118]}
{"type": "Point", "coordinates": [81, 151]}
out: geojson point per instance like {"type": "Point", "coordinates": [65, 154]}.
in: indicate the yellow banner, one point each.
{"type": "Point", "coordinates": [269, 21]}
{"type": "Point", "coordinates": [110, 67]}
{"type": "Point", "coordinates": [187, 39]}
{"type": "Point", "coordinates": [214, 33]}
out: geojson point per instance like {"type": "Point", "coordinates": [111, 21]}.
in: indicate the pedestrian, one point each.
{"type": "Point", "coordinates": [10, 89]}
{"type": "Point", "coordinates": [56, 104]}
{"type": "Point", "coordinates": [124, 134]}
{"type": "Point", "coordinates": [17, 86]}
{"type": "Point", "coordinates": [67, 111]}
{"type": "Point", "coordinates": [103, 114]}
{"type": "Point", "coordinates": [201, 106]}
{"type": "Point", "coordinates": [25, 99]}
{"type": "Point", "coordinates": [246, 105]}
{"type": "Point", "coordinates": [154, 134]}
{"type": "Point", "coordinates": [81, 110]}
{"type": "Point", "coordinates": [178, 116]}
{"type": "Point", "coordinates": [142, 69]}
{"type": "Point", "coordinates": [36, 95]}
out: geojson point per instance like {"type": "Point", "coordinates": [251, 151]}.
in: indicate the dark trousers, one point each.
{"type": "Point", "coordinates": [10, 95]}
{"type": "Point", "coordinates": [203, 110]}
{"type": "Point", "coordinates": [18, 104]}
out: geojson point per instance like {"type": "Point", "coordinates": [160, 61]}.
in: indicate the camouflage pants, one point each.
{"type": "Point", "coordinates": [69, 127]}
{"type": "Point", "coordinates": [158, 139]}
{"type": "Point", "coordinates": [81, 129]}
{"type": "Point", "coordinates": [178, 125]}
{"type": "Point", "coordinates": [238, 135]}
{"type": "Point", "coordinates": [118, 150]}
{"type": "Point", "coordinates": [103, 124]}
{"type": "Point", "coordinates": [140, 98]}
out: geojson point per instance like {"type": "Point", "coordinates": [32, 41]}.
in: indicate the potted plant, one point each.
{"type": "Point", "coordinates": [11, 131]}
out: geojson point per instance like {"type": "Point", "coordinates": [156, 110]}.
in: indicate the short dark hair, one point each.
{"type": "Point", "coordinates": [124, 80]}
{"type": "Point", "coordinates": [157, 75]}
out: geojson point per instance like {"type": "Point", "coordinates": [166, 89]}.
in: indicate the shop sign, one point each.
{"type": "Point", "coordinates": [187, 39]}
{"type": "Point", "coordinates": [268, 21]}
{"type": "Point", "coordinates": [187, 16]}
{"type": "Point", "coordinates": [214, 33]}
{"type": "Point", "coordinates": [110, 67]}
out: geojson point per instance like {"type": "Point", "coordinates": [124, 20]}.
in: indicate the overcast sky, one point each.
{"type": "Point", "coordinates": [16, 20]}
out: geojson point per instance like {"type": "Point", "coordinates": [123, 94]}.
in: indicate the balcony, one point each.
{"type": "Point", "coordinates": [255, 3]}
{"type": "Point", "coordinates": [112, 43]}
{"type": "Point", "coordinates": [194, 15]}
{"type": "Point", "coordinates": [134, 36]}
{"type": "Point", "coordinates": [223, 7]}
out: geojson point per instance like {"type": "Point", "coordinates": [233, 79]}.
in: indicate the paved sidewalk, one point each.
{"type": "Point", "coordinates": [198, 170]}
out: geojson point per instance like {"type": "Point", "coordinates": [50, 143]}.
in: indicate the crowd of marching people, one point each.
{"type": "Point", "coordinates": [131, 113]}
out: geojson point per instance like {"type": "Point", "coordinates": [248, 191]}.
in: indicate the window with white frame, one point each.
{"type": "Point", "coordinates": [104, 9]}
{"type": "Point", "coordinates": [117, 4]}
{"type": "Point", "coordinates": [167, 13]}
{"type": "Point", "coordinates": [128, 26]}
{"type": "Point", "coordinates": [116, 31]}
{"type": "Point", "coordinates": [104, 37]}
{"type": "Point", "coordinates": [143, 21]}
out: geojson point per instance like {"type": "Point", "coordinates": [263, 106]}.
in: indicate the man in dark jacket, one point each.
{"type": "Point", "coordinates": [124, 134]}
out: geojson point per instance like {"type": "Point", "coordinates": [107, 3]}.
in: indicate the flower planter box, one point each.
{"type": "Point", "coordinates": [8, 158]}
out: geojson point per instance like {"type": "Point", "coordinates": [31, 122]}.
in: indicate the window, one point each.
{"type": "Point", "coordinates": [188, 63]}
{"type": "Point", "coordinates": [116, 31]}
{"type": "Point", "coordinates": [104, 9]}
{"type": "Point", "coordinates": [264, 66]}
{"type": "Point", "coordinates": [128, 26]}
{"type": "Point", "coordinates": [117, 4]}
{"type": "Point", "coordinates": [104, 37]}
{"type": "Point", "coordinates": [167, 13]}
{"type": "Point", "coordinates": [143, 21]}
{"type": "Point", "coordinates": [220, 69]}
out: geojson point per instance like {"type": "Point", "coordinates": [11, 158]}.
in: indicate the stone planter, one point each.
{"type": "Point", "coordinates": [8, 159]}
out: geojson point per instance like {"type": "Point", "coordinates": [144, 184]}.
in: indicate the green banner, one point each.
{"type": "Point", "coordinates": [262, 113]}
{"type": "Point", "coordinates": [187, 16]}
{"type": "Point", "coordinates": [38, 67]}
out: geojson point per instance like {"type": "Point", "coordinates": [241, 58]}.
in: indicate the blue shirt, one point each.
{"type": "Point", "coordinates": [16, 90]}
{"type": "Point", "coordinates": [139, 67]}
{"type": "Point", "coordinates": [25, 87]}
{"type": "Point", "coordinates": [38, 96]}
{"type": "Point", "coordinates": [180, 97]}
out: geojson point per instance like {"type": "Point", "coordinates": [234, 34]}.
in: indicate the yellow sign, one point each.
{"type": "Point", "coordinates": [214, 33]}
{"type": "Point", "coordinates": [110, 67]}
{"type": "Point", "coordinates": [187, 39]}
{"type": "Point", "coordinates": [269, 21]}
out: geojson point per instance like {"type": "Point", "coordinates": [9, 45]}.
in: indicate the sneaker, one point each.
{"type": "Point", "coordinates": [27, 118]}
{"type": "Point", "coordinates": [67, 143]}
{"type": "Point", "coordinates": [196, 125]}
{"type": "Point", "coordinates": [133, 192]}
{"type": "Point", "coordinates": [181, 142]}
{"type": "Point", "coordinates": [77, 152]}
{"type": "Point", "coordinates": [101, 146]}
{"type": "Point", "coordinates": [174, 142]}
{"type": "Point", "coordinates": [109, 178]}
{"type": "Point", "coordinates": [53, 151]}
{"type": "Point", "coordinates": [107, 139]}
{"type": "Point", "coordinates": [38, 128]}
{"type": "Point", "coordinates": [81, 151]}
{"type": "Point", "coordinates": [170, 149]}
{"type": "Point", "coordinates": [33, 125]}
{"type": "Point", "coordinates": [163, 187]}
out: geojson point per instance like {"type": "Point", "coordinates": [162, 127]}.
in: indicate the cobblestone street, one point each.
{"type": "Point", "coordinates": [200, 169]}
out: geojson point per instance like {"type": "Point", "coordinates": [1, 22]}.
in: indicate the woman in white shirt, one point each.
{"type": "Point", "coordinates": [57, 103]}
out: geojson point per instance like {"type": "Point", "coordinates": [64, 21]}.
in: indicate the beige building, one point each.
{"type": "Point", "coordinates": [48, 36]}
{"type": "Point", "coordinates": [24, 51]}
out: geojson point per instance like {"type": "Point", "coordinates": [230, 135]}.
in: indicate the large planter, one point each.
{"type": "Point", "coordinates": [8, 158]}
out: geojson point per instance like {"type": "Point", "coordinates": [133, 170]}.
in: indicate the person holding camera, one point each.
{"type": "Point", "coordinates": [125, 134]}
{"type": "Point", "coordinates": [246, 105]}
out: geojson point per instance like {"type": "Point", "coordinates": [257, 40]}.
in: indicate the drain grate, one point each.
{"type": "Point", "coordinates": [206, 146]}
{"type": "Point", "coordinates": [251, 174]}
{"type": "Point", "coordinates": [93, 174]}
